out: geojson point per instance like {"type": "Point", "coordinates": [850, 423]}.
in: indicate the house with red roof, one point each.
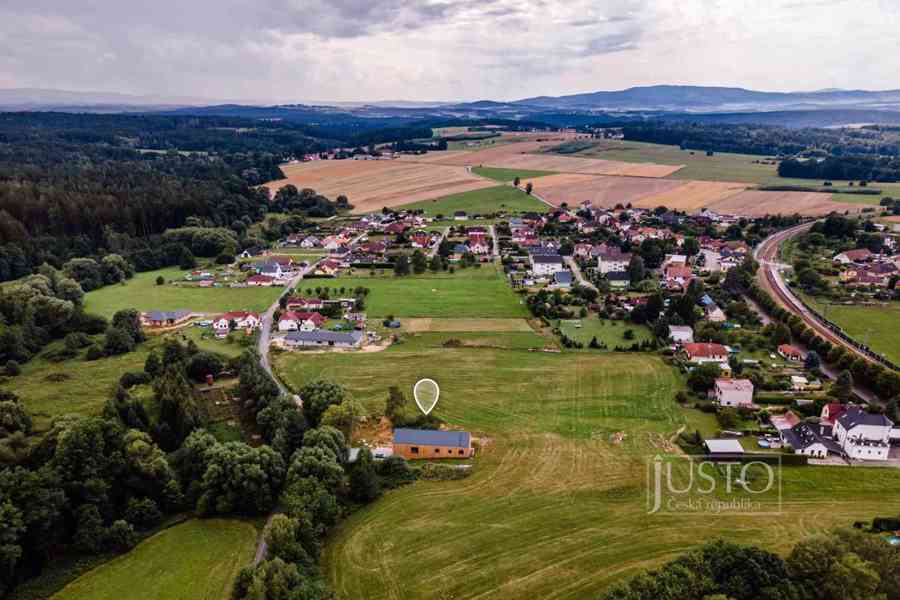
{"type": "Point", "coordinates": [261, 280]}
{"type": "Point", "coordinates": [304, 304]}
{"type": "Point", "coordinates": [677, 276]}
{"type": "Point", "coordinates": [790, 352]}
{"type": "Point", "coordinates": [238, 319]}
{"type": "Point", "coordinates": [701, 352]}
{"type": "Point", "coordinates": [300, 321]}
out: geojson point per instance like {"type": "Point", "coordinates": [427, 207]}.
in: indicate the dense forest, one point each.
{"type": "Point", "coordinates": [87, 185]}
{"type": "Point", "coordinates": [766, 140]}
{"type": "Point", "coordinates": [864, 168]}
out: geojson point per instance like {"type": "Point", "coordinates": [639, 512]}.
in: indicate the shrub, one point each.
{"type": "Point", "coordinates": [120, 536]}
{"type": "Point", "coordinates": [143, 512]}
{"type": "Point", "coordinates": [160, 280]}
{"type": "Point", "coordinates": [133, 378]}
{"type": "Point", "coordinates": [94, 352]}
{"type": "Point", "coordinates": [12, 368]}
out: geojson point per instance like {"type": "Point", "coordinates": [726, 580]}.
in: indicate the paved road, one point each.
{"type": "Point", "coordinates": [576, 271]}
{"type": "Point", "coordinates": [496, 242]}
{"type": "Point", "coordinates": [437, 246]}
{"type": "Point", "coordinates": [267, 322]}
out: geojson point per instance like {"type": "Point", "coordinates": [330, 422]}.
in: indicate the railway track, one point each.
{"type": "Point", "coordinates": [770, 280]}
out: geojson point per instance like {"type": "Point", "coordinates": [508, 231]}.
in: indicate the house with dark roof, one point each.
{"type": "Point", "coordinates": [618, 280]}
{"type": "Point", "coordinates": [863, 435]}
{"type": "Point", "coordinates": [165, 318]}
{"type": "Point", "coordinates": [426, 443]}
{"type": "Point", "coordinates": [811, 440]}
{"type": "Point", "coordinates": [562, 280]}
{"type": "Point", "coordinates": [323, 338]}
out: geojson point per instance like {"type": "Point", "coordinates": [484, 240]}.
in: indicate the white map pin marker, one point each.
{"type": "Point", "coordinates": [426, 392]}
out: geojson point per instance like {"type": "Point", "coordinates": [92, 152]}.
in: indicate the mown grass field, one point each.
{"type": "Point", "coordinates": [877, 326]}
{"type": "Point", "coordinates": [609, 332]}
{"type": "Point", "coordinates": [467, 293]}
{"type": "Point", "coordinates": [197, 560]}
{"type": "Point", "coordinates": [507, 175]}
{"type": "Point", "coordinates": [142, 293]}
{"type": "Point", "coordinates": [557, 505]}
{"type": "Point", "coordinates": [488, 200]}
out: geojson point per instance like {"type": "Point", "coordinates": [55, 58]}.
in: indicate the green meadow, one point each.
{"type": "Point", "coordinates": [488, 200]}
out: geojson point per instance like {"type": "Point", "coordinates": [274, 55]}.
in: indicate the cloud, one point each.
{"type": "Point", "coordinates": [294, 50]}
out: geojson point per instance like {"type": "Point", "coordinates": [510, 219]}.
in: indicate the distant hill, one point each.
{"type": "Point", "coordinates": [701, 98]}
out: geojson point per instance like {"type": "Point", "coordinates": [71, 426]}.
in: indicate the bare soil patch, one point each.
{"type": "Point", "coordinates": [464, 325]}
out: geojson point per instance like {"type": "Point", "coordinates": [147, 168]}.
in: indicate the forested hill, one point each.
{"type": "Point", "coordinates": [82, 185]}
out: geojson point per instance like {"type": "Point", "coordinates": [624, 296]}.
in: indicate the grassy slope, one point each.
{"type": "Point", "coordinates": [470, 292]}
{"type": "Point", "coordinates": [141, 292]}
{"type": "Point", "coordinates": [197, 560]}
{"type": "Point", "coordinates": [877, 326]}
{"type": "Point", "coordinates": [719, 167]}
{"type": "Point", "coordinates": [488, 200]}
{"type": "Point", "coordinates": [507, 175]}
{"type": "Point", "coordinates": [555, 508]}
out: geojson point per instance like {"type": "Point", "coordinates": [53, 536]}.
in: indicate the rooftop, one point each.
{"type": "Point", "coordinates": [428, 437]}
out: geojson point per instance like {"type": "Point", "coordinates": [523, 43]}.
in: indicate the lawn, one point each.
{"type": "Point", "coordinates": [557, 504]}
{"type": "Point", "coordinates": [142, 293]}
{"type": "Point", "coordinates": [488, 200]}
{"type": "Point", "coordinates": [507, 175]}
{"type": "Point", "coordinates": [609, 332]}
{"type": "Point", "coordinates": [468, 293]}
{"type": "Point", "coordinates": [876, 326]}
{"type": "Point", "coordinates": [197, 560]}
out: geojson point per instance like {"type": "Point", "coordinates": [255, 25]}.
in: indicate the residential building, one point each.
{"type": "Point", "coordinates": [789, 352]}
{"type": "Point", "coordinates": [425, 443]}
{"type": "Point", "coordinates": [618, 280]}
{"type": "Point", "coordinates": [546, 265]}
{"type": "Point", "coordinates": [300, 321]}
{"type": "Point", "coordinates": [562, 280]}
{"type": "Point", "coordinates": [612, 259]}
{"type": "Point", "coordinates": [852, 256]}
{"type": "Point", "coordinates": [165, 318]}
{"type": "Point", "coordinates": [862, 435]}
{"type": "Point", "coordinates": [681, 334]}
{"type": "Point", "coordinates": [700, 353]}
{"type": "Point", "coordinates": [320, 338]}
{"type": "Point", "coordinates": [734, 392]}
{"type": "Point", "coordinates": [239, 319]}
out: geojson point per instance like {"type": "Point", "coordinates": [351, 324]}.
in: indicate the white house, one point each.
{"type": "Point", "coordinates": [546, 265]}
{"type": "Point", "coordinates": [808, 439]}
{"type": "Point", "coordinates": [862, 435]}
{"type": "Point", "coordinates": [613, 260]}
{"type": "Point", "coordinates": [733, 392]}
{"type": "Point", "coordinates": [300, 321]}
{"type": "Point", "coordinates": [700, 353]}
{"type": "Point", "coordinates": [681, 334]}
{"type": "Point", "coordinates": [241, 320]}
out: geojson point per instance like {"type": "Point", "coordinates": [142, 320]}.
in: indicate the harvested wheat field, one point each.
{"type": "Point", "coordinates": [601, 191]}
{"type": "Point", "coordinates": [524, 155]}
{"type": "Point", "coordinates": [592, 166]}
{"type": "Point", "coordinates": [693, 195]}
{"type": "Point", "coordinates": [464, 325]}
{"type": "Point", "coordinates": [373, 184]}
{"type": "Point", "coordinates": [757, 203]}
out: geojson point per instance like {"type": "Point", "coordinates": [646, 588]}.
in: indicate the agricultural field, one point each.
{"type": "Point", "coordinates": [197, 560]}
{"type": "Point", "coordinates": [508, 175]}
{"type": "Point", "coordinates": [733, 198]}
{"type": "Point", "coordinates": [722, 166]}
{"type": "Point", "coordinates": [142, 293]}
{"type": "Point", "coordinates": [468, 293]}
{"type": "Point", "coordinates": [489, 200]}
{"type": "Point", "coordinates": [557, 506]}
{"type": "Point", "coordinates": [373, 184]}
{"type": "Point", "coordinates": [876, 326]}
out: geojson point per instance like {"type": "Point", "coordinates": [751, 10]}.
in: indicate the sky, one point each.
{"type": "Point", "coordinates": [443, 50]}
